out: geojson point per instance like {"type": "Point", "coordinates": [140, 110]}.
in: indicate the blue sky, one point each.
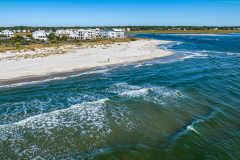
{"type": "Point", "coordinates": [119, 12]}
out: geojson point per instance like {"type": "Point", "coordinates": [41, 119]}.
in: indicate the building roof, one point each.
{"type": "Point", "coordinates": [107, 29]}
{"type": "Point", "coordinates": [6, 31]}
{"type": "Point", "coordinates": [39, 32]}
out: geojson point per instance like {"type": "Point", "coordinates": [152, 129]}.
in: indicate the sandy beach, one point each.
{"type": "Point", "coordinates": [15, 66]}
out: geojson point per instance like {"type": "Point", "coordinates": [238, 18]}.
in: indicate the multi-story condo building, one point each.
{"type": "Point", "coordinates": [67, 32]}
{"type": "Point", "coordinates": [82, 34]}
{"type": "Point", "coordinates": [112, 33]}
{"type": "Point", "coordinates": [39, 35]}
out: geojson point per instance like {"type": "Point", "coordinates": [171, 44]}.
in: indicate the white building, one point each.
{"type": "Point", "coordinates": [67, 32]}
{"type": "Point", "coordinates": [82, 34]}
{"type": "Point", "coordinates": [48, 32]}
{"type": "Point", "coordinates": [112, 33]}
{"type": "Point", "coordinates": [128, 29]}
{"type": "Point", "coordinates": [18, 31]}
{"type": "Point", "coordinates": [119, 32]}
{"type": "Point", "coordinates": [7, 33]}
{"type": "Point", "coordinates": [26, 38]}
{"type": "Point", "coordinates": [39, 35]}
{"type": "Point", "coordinates": [24, 31]}
{"type": "Point", "coordinates": [97, 31]}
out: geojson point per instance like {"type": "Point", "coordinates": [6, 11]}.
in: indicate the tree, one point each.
{"type": "Point", "coordinates": [24, 42]}
{"type": "Point", "coordinates": [51, 36]}
{"type": "Point", "coordinates": [64, 38]}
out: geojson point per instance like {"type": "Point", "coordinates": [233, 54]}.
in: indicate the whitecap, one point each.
{"type": "Point", "coordinates": [139, 65]}
{"type": "Point", "coordinates": [190, 127]}
{"type": "Point", "coordinates": [135, 93]}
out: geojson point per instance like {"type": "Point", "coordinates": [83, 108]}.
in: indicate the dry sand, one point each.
{"type": "Point", "coordinates": [79, 59]}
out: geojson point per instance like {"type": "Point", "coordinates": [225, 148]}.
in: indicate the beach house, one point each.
{"type": "Point", "coordinates": [108, 33]}
{"type": "Point", "coordinates": [67, 32]}
{"type": "Point", "coordinates": [119, 32]}
{"type": "Point", "coordinates": [7, 33]}
{"type": "Point", "coordinates": [48, 32]}
{"type": "Point", "coordinates": [41, 35]}
{"type": "Point", "coordinates": [82, 34]}
{"type": "Point", "coordinates": [112, 33]}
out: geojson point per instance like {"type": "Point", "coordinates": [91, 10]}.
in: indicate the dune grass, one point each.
{"type": "Point", "coordinates": [18, 34]}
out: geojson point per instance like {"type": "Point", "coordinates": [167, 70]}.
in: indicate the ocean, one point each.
{"type": "Point", "coordinates": [184, 106]}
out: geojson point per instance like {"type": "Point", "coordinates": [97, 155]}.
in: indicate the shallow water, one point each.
{"type": "Point", "coordinates": [185, 106]}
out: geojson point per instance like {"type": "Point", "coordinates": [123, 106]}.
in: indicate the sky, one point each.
{"type": "Point", "coordinates": [119, 13]}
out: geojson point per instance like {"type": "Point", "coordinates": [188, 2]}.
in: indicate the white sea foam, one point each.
{"type": "Point", "coordinates": [32, 82]}
{"type": "Point", "coordinates": [97, 71]}
{"type": "Point", "coordinates": [135, 93]}
{"type": "Point", "coordinates": [139, 65]}
{"type": "Point", "coordinates": [194, 55]}
{"type": "Point", "coordinates": [232, 54]}
{"type": "Point", "coordinates": [190, 127]}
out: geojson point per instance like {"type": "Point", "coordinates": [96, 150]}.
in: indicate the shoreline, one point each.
{"type": "Point", "coordinates": [133, 52]}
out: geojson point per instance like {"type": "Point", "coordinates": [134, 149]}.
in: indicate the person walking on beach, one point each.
{"type": "Point", "coordinates": [108, 60]}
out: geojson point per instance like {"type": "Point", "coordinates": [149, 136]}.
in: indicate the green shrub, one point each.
{"type": "Point", "coordinates": [0, 43]}
{"type": "Point", "coordinates": [17, 46]}
{"type": "Point", "coordinates": [24, 42]}
{"type": "Point", "coordinates": [53, 41]}
{"type": "Point", "coordinates": [133, 39]}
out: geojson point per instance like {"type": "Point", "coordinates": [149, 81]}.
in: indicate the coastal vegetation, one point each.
{"type": "Point", "coordinates": [19, 45]}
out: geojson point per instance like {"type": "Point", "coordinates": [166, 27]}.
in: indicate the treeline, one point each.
{"type": "Point", "coordinates": [132, 28]}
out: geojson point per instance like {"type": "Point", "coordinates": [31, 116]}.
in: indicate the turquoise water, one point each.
{"type": "Point", "coordinates": [185, 106]}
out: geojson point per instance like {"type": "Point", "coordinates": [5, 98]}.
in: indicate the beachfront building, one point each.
{"type": "Point", "coordinates": [112, 33]}
{"type": "Point", "coordinates": [41, 35]}
{"type": "Point", "coordinates": [7, 33]}
{"type": "Point", "coordinates": [108, 33]}
{"type": "Point", "coordinates": [82, 34]}
{"type": "Point", "coordinates": [119, 32]}
{"type": "Point", "coordinates": [96, 31]}
{"type": "Point", "coordinates": [67, 32]}
{"type": "Point", "coordinates": [18, 31]}
{"type": "Point", "coordinates": [24, 31]}
{"type": "Point", "coordinates": [48, 32]}
{"type": "Point", "coordinates": [26, 37]}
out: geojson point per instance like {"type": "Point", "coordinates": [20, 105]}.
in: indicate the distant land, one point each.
{"type": "Point", "coordinates": [140, 29]}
